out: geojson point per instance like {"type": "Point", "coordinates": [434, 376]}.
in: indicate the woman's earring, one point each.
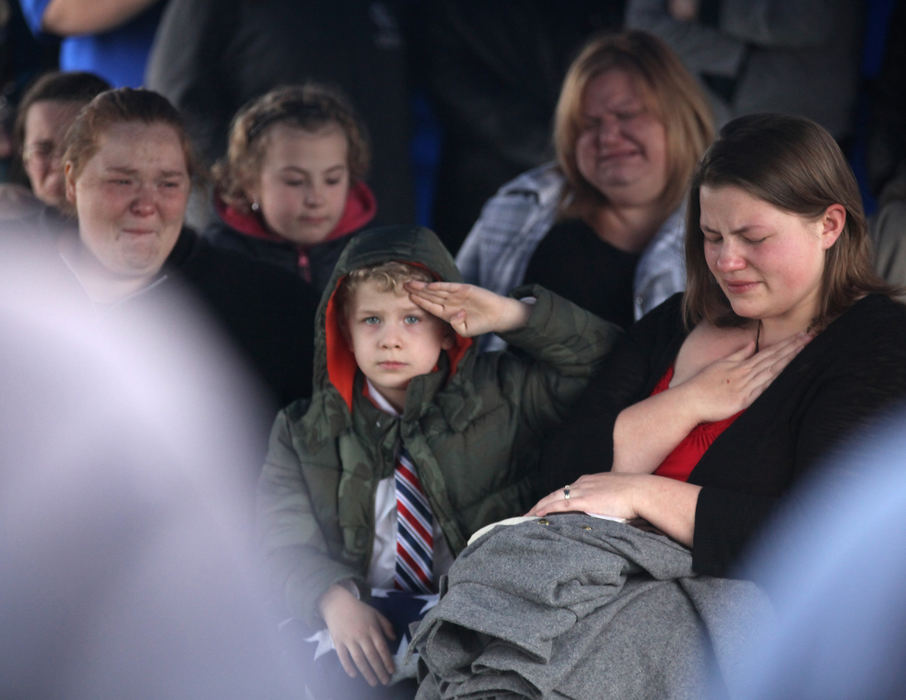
{"type": "Point", "coordinates": [255, 205]}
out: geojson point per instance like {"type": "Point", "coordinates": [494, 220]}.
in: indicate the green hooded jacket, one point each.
{"type": "Point", "coordinates": [473, 428]}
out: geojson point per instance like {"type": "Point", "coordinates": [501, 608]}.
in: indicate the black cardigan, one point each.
{"type": "Point", "coordinates": [837, 385]}
{"type": "Point", "coordinates": [267, 313]}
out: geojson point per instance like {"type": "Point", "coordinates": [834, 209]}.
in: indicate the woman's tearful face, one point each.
{"type": "Point", "coordinates": [131, 197]}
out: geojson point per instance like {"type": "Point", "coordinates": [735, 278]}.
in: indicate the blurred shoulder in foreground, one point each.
{"type": "Point", "coordinates": [837, 581]}
{"type": "Point", "coordinates": [123, 543]}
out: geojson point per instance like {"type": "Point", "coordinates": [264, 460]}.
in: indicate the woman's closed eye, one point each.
{"type": "Point", "coordinates": [42, 150]}
{"type": "Point", "coordinates": [626, 115]}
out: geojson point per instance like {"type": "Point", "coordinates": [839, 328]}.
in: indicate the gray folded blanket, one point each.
{"type": "Point", "coordinates": [572, 606]}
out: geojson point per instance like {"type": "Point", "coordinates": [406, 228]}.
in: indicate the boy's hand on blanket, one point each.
{"type": "Point", "coordinates": [469, 309]}
{"type": "Point", "coordinates": [359, 633]}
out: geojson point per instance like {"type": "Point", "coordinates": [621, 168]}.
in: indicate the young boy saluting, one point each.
{"type": "Point", "coordinates": [411, 440]}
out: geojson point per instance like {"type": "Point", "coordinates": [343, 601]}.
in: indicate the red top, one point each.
{"type": "Point", "coordinates": [680, 463]}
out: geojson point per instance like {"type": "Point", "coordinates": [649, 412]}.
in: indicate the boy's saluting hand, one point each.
{"type": "Point", "coordinates": [469, 309]}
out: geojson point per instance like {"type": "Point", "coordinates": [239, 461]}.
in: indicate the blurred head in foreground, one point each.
{"type": "Point", "coordinates": [124, 524]}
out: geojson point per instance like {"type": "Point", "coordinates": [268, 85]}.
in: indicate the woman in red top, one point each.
{"type": "Point", "coordinates": [721, 399]}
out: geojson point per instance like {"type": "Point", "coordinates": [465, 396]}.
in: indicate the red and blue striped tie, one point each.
{"type": "Point", "coordinates": [414, 538]}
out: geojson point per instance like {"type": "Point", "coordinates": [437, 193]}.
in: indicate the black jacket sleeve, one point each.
{"type": "Point", "coordinates": [583, 444]}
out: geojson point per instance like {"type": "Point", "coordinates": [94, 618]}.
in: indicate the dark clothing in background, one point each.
{"type": "Point", "coordinates": [266, 312]}
{"type": "Point", "coordinates": [576, 263]}
{"type": "Point", "coordinates": [493, 71]}
{"type": "Point", "coordinates": [282, 254]}
{"type": "Point", "coordinates": [789, 56]}
{"type": "Point", "coordinates": [886, 154]}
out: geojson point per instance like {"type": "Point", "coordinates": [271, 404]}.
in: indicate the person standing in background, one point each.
{"type": "Point", "coordinates": [797, 57]}
{"type": "Point", "coordinates": [485, 67]}
{"type": "Point", "coordinates": [111, 38]}
{"type": "Point", "coordinates": [210, 57]}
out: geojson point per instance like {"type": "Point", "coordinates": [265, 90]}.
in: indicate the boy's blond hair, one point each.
{"type": "Point", "coordinates": [390, 277]}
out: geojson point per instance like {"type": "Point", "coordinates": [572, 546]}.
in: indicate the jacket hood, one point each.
{"type": "Point", "coordinates": [334, 364]}
{"type": "Point", "coordinates": [361, 208]}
